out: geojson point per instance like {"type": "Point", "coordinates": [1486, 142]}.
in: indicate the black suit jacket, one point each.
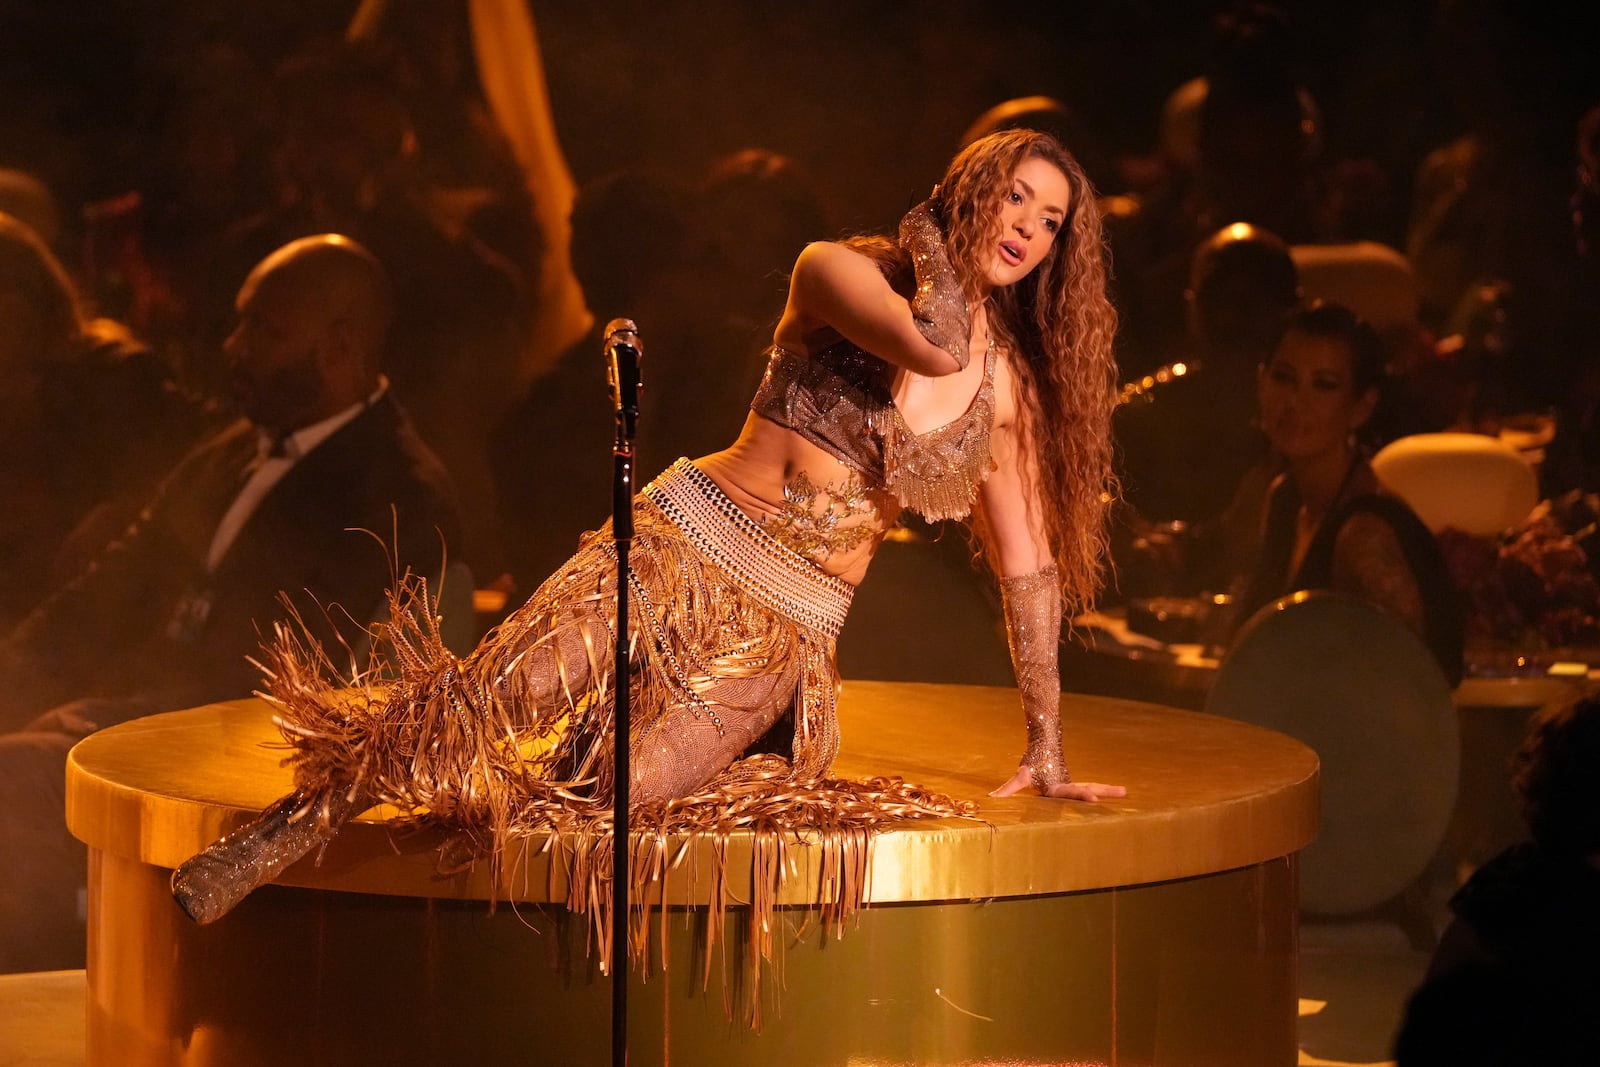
{"type": "Point", "coordinates": [146, 620]}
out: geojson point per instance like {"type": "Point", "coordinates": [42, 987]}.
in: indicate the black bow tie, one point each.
{"type": "Point", "coordinates": [274, 446]}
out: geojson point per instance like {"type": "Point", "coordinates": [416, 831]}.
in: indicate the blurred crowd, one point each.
{"type": "Point", "coordinates": [296, 359]}
{"type": "Point", "coordinates": [293, 349]}
{"type": "Point", "coordinates": [1286, 315]}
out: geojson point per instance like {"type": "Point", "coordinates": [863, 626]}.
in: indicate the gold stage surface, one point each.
{"type": "Point", "coordinates": [1157, 929]}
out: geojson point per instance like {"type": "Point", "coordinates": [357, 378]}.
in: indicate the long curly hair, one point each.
{"type": "Point", "coordinates": [1058, 324]}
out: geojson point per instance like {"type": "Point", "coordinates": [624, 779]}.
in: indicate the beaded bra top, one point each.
{"type": "Point", "coordinates": [839, 399]}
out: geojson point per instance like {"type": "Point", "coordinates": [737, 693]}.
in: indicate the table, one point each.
{"type": "Point", "coordinates": [1103, 655]}
{"type": "Point", "coordinates": [1496, 700]}
{"type": "Point", "coordinates": [1047, 932]}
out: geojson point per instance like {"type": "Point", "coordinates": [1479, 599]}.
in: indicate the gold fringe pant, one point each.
{"type": "Point", "coordinates": [732, 639]}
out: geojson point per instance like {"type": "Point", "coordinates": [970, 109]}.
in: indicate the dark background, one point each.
{"type": "Point", "coordinates": [870, 96]}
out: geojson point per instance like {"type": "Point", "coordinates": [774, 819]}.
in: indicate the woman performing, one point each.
{"type": "Point", "coordinates": [744, 561]}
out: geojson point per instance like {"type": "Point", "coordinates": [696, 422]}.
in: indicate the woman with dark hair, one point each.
{"type": "Point", "coordinates": [1327, 523]}
{"type": "Point", "coordinates": [964, 365]}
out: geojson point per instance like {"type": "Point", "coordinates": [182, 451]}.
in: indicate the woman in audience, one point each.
{"type": "Point", "coordinates": [1327, 523]}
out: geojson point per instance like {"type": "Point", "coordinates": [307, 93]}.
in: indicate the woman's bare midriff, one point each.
{"type": "Point", "coordinates": [766, 458]}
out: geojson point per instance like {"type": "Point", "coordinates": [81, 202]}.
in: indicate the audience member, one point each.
{"type": "Point", "coordinates": [1514, 980]}
{"type": "Point", "coordinates": [750, 214]}
{"type": "Point", "coordinates": [1255, 162]}
{"type": "Point", "coordinates": [700, 270]}
{"type": "Point", "coordinates": [1573, 459]}
{"type": "Point", "coordinates": [1585, 202]}
{"type": "Point", "coordinates": [89, 417]}
{"type": "Point", "coordinates": [169, 612]}
{"type": "Point", "coordinates": [347, 159]}
{"type": "Point", "coordinates": [1491, 207]}
{"type": "Point", "coordinates": [1178, 131]}
{"type": "Point", "coordinates": [290, 500]}
{"type": "Point", "coordinates": [1186, 434]}
{"type": "Point", "coordinates": [467, 168]}
{"type": "Point", "coordinates": [155, 254]}
{"type": "Point", "coordinates": [1326, 523]}
{"type": "Point", "coordinates": [1486, 339]}
{"type": "Point", "coordinates": [629, 233]}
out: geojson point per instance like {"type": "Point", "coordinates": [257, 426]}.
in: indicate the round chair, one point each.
{"type": "Point", "coordinates": [1371, 279]}
{"type": "Point", "coordinates": [1358, 687]}
{"type": "Point", "coordinates": [1465, 481]}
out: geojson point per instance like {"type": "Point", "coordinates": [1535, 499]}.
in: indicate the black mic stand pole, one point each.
{"type": "Point", "coordinates": [622, 375]}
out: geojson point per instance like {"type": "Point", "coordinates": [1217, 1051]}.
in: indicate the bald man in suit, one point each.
{"type": "Point", "coordinates": [321, 491]}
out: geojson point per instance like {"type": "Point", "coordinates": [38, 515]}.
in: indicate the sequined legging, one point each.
{"type": "Point", "coordinates": [688, 726]}
{"type": "Point", "coordinates": [728, 631]}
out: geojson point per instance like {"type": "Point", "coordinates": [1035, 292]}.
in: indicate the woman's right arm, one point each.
{"type": "Point", "coordinates": [839, 287]}
{"type": "Point", "coordinates": [1030, 590]}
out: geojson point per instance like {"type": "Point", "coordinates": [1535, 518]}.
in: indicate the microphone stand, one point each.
{"type": "Point", "coordinates": [622, 376]}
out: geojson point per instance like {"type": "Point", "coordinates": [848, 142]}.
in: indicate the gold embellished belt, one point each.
{"type": "Point", "coordinates": [785, 582]}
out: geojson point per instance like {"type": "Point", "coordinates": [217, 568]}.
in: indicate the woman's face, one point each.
{"type": "Point", "coordinates": [1032, 212]}
{"type": "Point", "coordinates": [1309, 403]}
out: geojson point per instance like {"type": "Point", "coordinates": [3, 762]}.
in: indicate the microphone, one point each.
{"type": "Point", "coordinates": [622, 375]}
{"type": "Point", "coordinates": [622, 350]}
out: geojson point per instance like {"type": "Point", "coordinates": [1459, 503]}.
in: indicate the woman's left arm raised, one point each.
{"type": "Point", "coordinates": [1030, 590]}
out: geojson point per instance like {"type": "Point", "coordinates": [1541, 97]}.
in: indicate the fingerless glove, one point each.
{"type": "Point", "coordinates": [1032, 605]}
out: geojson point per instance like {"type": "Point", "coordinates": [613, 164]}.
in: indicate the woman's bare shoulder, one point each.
{"type": "Point", "coordinates": [821, 271]}
{"type": "Point", "coordinates": [828, 259]}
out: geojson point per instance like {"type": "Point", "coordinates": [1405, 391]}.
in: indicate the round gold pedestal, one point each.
{"type": "Point", "coordinates": [1159, 929]}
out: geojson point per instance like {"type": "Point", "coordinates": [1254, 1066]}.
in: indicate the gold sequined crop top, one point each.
{"type": "Point", "coordinates": [839, 399]}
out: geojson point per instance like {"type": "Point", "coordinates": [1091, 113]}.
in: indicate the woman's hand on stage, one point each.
{"type": "Point", "coordinates": [1086, 791]}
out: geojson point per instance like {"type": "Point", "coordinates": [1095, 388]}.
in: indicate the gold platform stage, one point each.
{"type": "Point", "coordinates": [1155, 930]}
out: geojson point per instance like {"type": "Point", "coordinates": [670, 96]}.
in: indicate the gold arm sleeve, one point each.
{"type": "Point", "coordinates": [938, 307]}
{"type": "Point", "coordinates": [1032, 604]}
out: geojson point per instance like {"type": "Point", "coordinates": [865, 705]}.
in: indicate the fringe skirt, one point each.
{"type": "Point", "coordinates": [733, 717]}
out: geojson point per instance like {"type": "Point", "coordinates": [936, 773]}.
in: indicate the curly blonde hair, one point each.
{"type": "Point", "coordinates": [1058, 324]}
